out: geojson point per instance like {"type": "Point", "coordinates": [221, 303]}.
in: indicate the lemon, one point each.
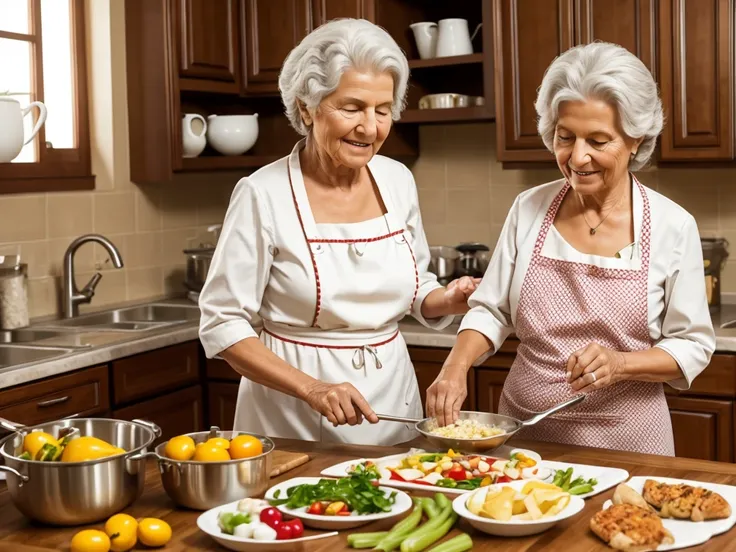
{"type": "Point", "coordinates": [180, 448]}
{"type": "Point", "coordinates": [154, 532]}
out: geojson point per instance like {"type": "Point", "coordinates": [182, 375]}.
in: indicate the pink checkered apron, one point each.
{"type": "Point", "coordinates": [564, 306]}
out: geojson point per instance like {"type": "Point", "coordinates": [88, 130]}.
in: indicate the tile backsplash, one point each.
{"type": "Point", "coordinates": [465, 193]}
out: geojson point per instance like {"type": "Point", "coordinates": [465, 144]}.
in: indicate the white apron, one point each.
{"type": "Point", "coordinates": [364, 272]}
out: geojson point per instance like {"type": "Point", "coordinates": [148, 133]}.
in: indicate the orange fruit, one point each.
{"type": "Point", "coordinates": [180, 448]}
{"type": "Point", "coordinates": [245, 446]}
{"type": "Point", "coordinates": [210, 453]}
{"type": "Point", "coordinates": [219, 442]}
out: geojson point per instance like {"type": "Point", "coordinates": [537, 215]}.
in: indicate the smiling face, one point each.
{"type": "Point", "coordinates": [591, 149]}
{"type": "Point", "coordinates": [350, 125]}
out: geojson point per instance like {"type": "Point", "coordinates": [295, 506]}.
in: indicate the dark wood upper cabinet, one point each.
{"type": "Point", "coordinates": [629, 23]}
{"type": "Point", "coordinates": [209, 46]}
{"type": "Point", "coordinates": [270, 29]}
{"type": "Point", "coordinates": [696, 45]}
{"type": "Point", "coordinates": [528, 35]}
{"type": "Point", "coordinates": [326, 10]}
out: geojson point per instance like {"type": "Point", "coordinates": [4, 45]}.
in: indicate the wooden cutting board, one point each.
{"type": "Point", "coordinates": [283, 461]}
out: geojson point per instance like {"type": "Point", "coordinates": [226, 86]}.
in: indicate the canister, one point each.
{"type": "Point", "coordinates": [14, 296]}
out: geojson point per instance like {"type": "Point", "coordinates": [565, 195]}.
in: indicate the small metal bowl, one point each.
{"type": "Point", "coordinates": [205, 485]}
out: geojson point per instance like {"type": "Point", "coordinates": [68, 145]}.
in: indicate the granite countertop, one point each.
{"type": "Point", "coordinates": [111, 345]}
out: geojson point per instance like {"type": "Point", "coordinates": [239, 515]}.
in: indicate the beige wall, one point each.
{"type": "Point", "coordinates": [465, 194]}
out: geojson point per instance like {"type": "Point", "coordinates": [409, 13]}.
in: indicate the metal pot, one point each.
{"type": "Point", "coordinates": [204, 485]}
{"type": "Point", "coordinates": [470, 263]}
{"type": "Point", "coordinates": [443, 262]}
{"type": "Point", "coordinates": [198, 264]}
{"type": "Point", "coordinates": [78, 493]}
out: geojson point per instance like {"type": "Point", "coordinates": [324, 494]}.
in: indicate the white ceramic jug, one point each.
{"type": "Point", "coordinates": [193, 134]}
{"type": "Point", "coordinates": [454, 38]}
{"type": "Point", "coordinates": [425, 35]}
{"type": "Point", "coordinates": [11, 122]}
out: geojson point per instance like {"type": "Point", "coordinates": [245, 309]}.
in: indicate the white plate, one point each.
{"type": "Point", "coordinates": [207, 522]}
{"type": "Point", "coordinates": [516, 528]}
{"type": "Point", "coordinates": [402, 504]}
{"type": "Point", "coordinates": [690, 533]}
{"type": "Point", "coordinates": [607, 477]}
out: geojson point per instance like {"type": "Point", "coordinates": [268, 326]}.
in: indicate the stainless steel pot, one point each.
{"type": "Point", "coordinates": [443, 261]}
{"type": "Point", "coordinates": [204, 485]}
{"type": "Point", "coordinates": [198, 264]}
{"type": "Point", "coordinates": [77, 493]}
{"type": "Point", "coordinates": [508, 424]}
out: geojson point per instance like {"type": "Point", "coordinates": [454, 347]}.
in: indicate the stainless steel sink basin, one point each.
{"type": "Point", "coordinates": [139, 318]}
{"type": "Point", "coordinates": [28, 335]}
{"type": "Point", "coordinates": [14, 355]}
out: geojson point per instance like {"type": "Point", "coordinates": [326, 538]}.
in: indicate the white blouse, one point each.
{"type": "Point", "coordinates": [679, 320]}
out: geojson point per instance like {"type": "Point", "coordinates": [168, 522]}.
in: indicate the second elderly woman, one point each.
{"type": "Point", "coordinates": [600, 277]}
{"type": "Point", "coordinates": [326, 251]}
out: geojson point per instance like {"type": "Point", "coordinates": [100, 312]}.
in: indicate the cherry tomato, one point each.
{"type": "Point", "coordinates": [284, 531]}
{"type": "Point", "coordinates": [316, 509]}
{"type": "Point", "coordinates": [297, 528]}
{"type": "Point", "coordinates": [457, 473]}
{"type": "Point", "coordinates": [271, 517]}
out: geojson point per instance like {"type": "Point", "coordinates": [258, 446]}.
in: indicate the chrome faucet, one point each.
{"type": "Point", "coordinates": [72, 297]}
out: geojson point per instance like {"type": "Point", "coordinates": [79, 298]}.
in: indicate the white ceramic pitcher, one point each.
{"type": "Point", "coordinates": [11, 122]}
{"type": "Point", "coordinates": [193, 134]}
{"type": "Point", "coordinates": [454, 38]}
{"type": "Point", "coordinates": [425, 35]}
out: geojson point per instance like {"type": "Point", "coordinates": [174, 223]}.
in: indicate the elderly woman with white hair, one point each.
{"type": "Point", "coordinates": [600, 277]}
{"type": "Point", "coordinates": [326, 249]}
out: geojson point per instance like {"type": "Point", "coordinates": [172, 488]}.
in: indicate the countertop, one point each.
{"type": "Point", "coordinates": [573, 534]}
{"type": "Point", "coordinates": [112, 345]}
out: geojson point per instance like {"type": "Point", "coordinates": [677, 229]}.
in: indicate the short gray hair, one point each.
{"type": "Point", "coordinates": [313, 68]}
{"type": "Point", "coordinates": [605, 72]}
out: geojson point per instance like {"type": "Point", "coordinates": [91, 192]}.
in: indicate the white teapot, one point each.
{"type": "Point", "coordinates": [11, 122]}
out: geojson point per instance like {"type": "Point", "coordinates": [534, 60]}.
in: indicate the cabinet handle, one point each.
{"type": "Point", "coordinates": [52, 402]}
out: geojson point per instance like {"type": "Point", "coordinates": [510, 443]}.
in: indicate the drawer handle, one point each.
{"type": "Point", "coordinates": [52, 402]}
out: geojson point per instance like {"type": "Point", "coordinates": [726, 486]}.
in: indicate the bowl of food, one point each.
{"type": "Point", "coordinates": [76, 471]}
{"type": "Point", "coordinates": [335, 504]}
{"type": "Point", "coordinates": [518, 508]}
{"type": "Point", "coordinates": [205, 469]}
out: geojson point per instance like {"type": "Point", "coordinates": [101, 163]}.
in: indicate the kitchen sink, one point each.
{"type": "Point", "coordinates": [14, 355]}
{"type": "Point", "coordinates": [141, 318]}
{"type": "Point", "coordinates": [28, 335]}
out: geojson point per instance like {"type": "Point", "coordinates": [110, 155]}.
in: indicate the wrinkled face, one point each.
{"type": "Point", "coordinates": [591, 149]}
{"type": "Point", "coordinates": [350, 125]}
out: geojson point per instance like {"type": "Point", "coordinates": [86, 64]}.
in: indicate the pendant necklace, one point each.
{"type": "Point", "coordinates": [594, 228]}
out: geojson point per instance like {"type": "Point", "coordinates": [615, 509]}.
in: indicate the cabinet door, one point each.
{"type": "Point", "coordinates": [176, 413]}
{"type": "Point", "coordinates": [209, 47]}
{"type": "Point", "coordinates": [696, 71]}
{"type": "Point", "coordinates": [271, 28]}
{"type": "Point", "coordinates": [489, 386]}
{"type": "Point", "coordinates": [326, 10]}
{"type": "Point", "coordinates": [222, 400]}
{"type": "Point", "coordinates": [629, 23]}
{"type": "Point", "coordinates": [426, 373]}
{"type": "Point", "coordinates": [703, 428]}
{"type": "Point", "coordinates": [528, 35]}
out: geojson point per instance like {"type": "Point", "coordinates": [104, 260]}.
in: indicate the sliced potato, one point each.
{"type": "Point", "coordinates": [532, 508]}
{"type": "Point", "coordinates": [500, 505]}
{"type": "Point", "coordinates": [535, 484]}
{"type": "Point", "coordinates": [522, 517]}
{"type": "Point", "coordinates": [518, 507]}
{"type": "Point", "coordinates": [561, 504]}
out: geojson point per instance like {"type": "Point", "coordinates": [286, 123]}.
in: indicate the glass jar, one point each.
{"type": "Point", "coordinates": [14, 297]}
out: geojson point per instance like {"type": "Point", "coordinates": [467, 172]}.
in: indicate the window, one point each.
{"type": "Point", "coordinates": [42, 58]}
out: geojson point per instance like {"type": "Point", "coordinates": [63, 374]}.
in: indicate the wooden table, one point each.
{"type": "Point", "coordinates": [17, 534]}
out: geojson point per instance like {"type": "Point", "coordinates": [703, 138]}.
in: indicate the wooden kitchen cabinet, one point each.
{"type": "Point", "coordinates": [209, 46]}
{"type": "Point", "coordinates": [270, 29]}
{"type": "Point", "coordinates": [696, 73]}
{"type": "Point", "coordinates": [222, 398]}
{"type": "Point", "coordinates": [175, 413]}
{"type": "Point", "coordinates": [326, 10]}
{"type": "Point", "coordinates": [703, 428]}
{"type": "Point", "coordinates": [489, 385]}
{"type": "Point", "coordinates": [84, 393]}
{"type": "Point", "coordinates": [427, 363]}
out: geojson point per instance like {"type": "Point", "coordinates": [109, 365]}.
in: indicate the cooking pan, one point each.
{"type": "Point", "coordinates": [508, 424]}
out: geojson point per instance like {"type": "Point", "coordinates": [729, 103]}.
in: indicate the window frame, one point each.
{"type": "Point", "coordinates": [63, 169]}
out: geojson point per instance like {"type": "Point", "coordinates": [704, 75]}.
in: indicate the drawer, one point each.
{"type": "Point", "coordinates": [717, 380]}
{"type": "Point", "coordinates": [218, 369]}
{"type": "Point", "coordinates": [151, 373]}
{"type": "Point", "coordinates": [84, 393]}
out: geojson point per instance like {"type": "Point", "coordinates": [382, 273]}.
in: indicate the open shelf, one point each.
{"type": "Point", "coordinates": [453, 114]}
{"type": "Point", "coordinates": [227, 162]}
{"type": "Point", "coordinates": [446, 61]}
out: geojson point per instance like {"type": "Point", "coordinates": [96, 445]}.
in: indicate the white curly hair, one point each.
{"type": "Point", "coordinates": [312, 70]}
{"type": "Point", "coordinates": [610, 73]}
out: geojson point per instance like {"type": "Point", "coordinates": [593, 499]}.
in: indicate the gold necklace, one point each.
{"type": "Point", "coordinates": [594, 228]}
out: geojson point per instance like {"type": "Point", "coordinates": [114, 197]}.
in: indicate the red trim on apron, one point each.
{"type": "Point", "coordinates": [358, 240]}
{"type": "Point", "coordinates": [323, 346]}
{"type": "Point", "coordinates": [416, 274]}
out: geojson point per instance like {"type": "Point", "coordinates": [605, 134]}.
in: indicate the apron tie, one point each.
{"type": "Point", "coordinates": [359, 357]}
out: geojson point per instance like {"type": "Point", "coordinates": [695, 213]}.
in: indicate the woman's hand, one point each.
{"type": "Point", "coordinates": [340, 403]}
{"type": "Point", "coordinates": [446, 395]}
{"type": "Point", "coordinates": [595, 367]}
{"type": "Point", "coordinates": [457, 293]}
